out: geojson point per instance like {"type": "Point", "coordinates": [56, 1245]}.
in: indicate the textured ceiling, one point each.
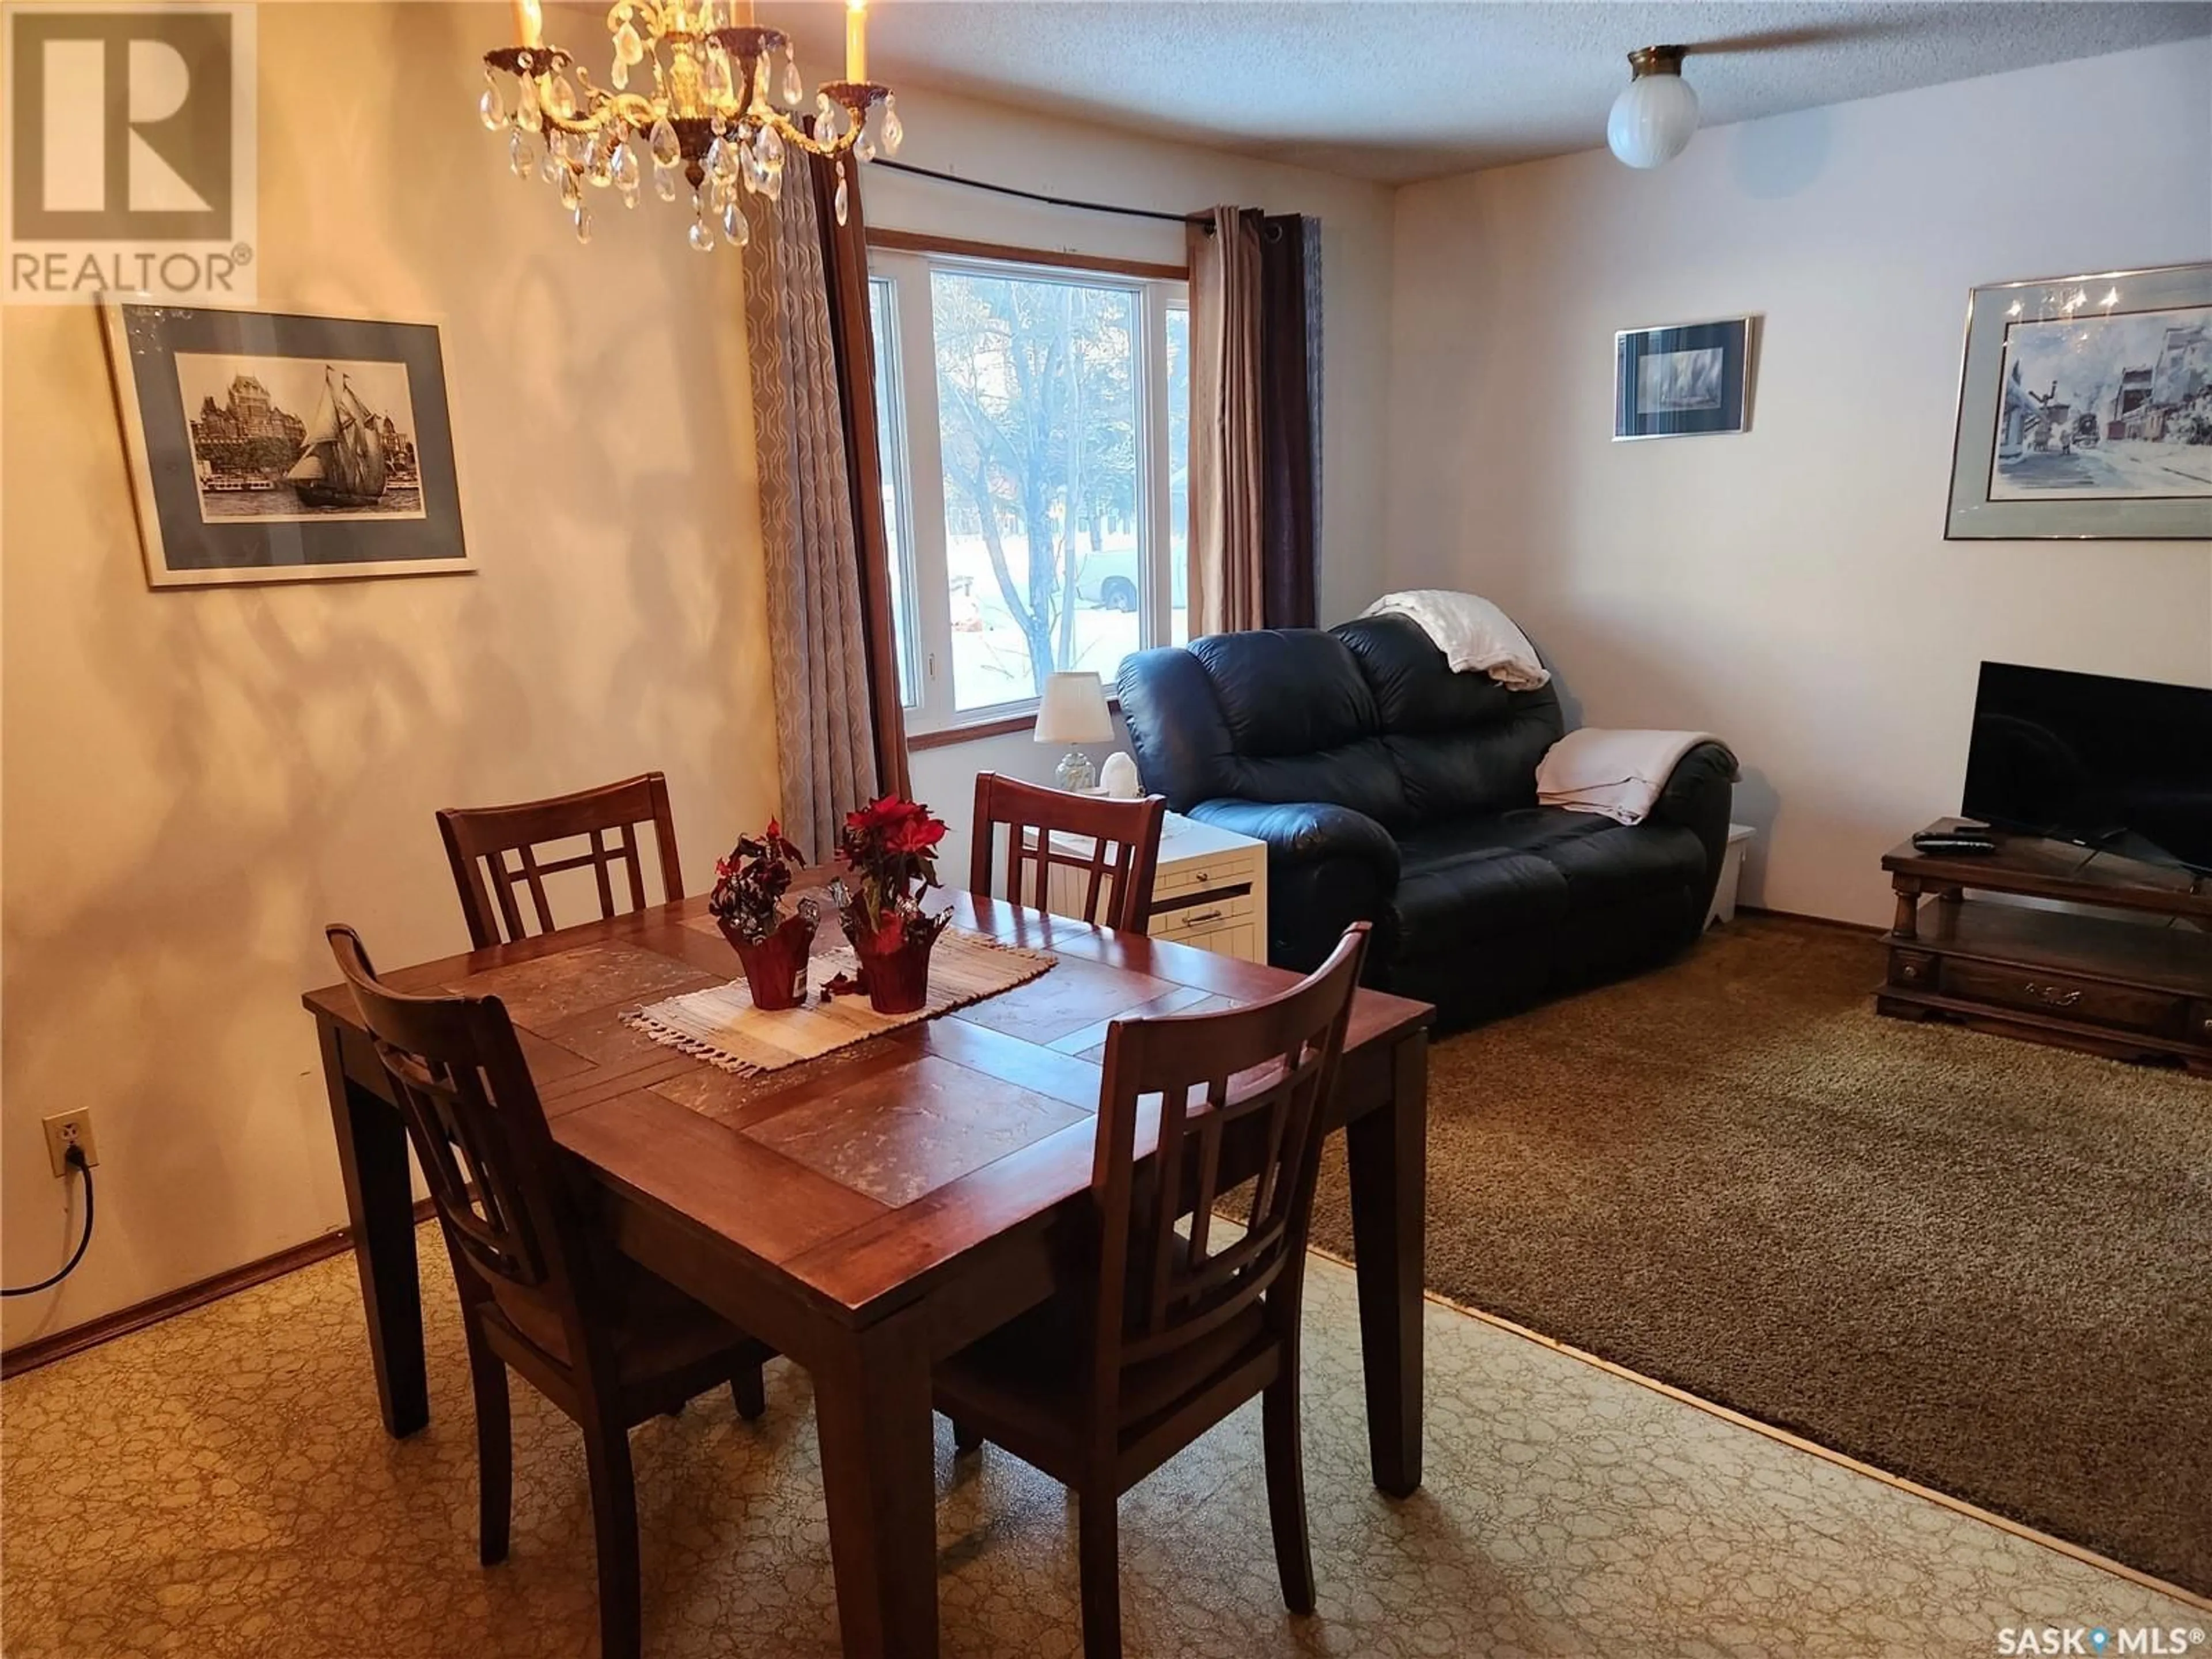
{"type": "Point", "coordinates": [1400, 91]}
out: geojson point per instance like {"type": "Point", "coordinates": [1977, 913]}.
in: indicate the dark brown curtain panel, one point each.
{"type": "Point", "coordinates": [1290, 420]}
{"type": "Point", "coordinates": [845, 266]}
{"type": "Point", "coordinates": [1226, 480]}
{"type": "Point", "coordinates": [1254, 420]}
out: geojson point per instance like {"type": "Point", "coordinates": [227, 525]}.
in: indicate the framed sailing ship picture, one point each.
{"type": "Point", "coordinates": [274, 447]}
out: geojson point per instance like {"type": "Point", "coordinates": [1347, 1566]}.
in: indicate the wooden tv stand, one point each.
{"type": "Point", "coordinates": [2133, 982]}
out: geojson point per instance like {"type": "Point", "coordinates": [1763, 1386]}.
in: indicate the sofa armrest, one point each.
{"type": "Point", "coordinates": [1307, 832]}
{"type": "Point", "coordinates": [1697, 796]}
{"type": "Point", "coordinates": [1327, 867]}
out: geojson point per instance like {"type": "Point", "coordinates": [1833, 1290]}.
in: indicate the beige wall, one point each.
{"type": "Point", "coordinates": [1790, 588]}
{"type": "Point", "coordinates": [194, 782]}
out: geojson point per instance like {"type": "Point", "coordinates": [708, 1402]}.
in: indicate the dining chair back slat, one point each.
{"type": "Point", "coordinates": [1119, 869]}
{"type": "Point", "coordinates": [502, 842]}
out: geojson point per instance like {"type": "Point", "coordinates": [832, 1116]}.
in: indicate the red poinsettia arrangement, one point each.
{"type": "Point", "coordinates": [889, 847]}
{"type": "Point", "coordinates": [750, 883]}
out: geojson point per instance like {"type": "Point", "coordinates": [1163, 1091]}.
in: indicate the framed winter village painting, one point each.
{"type": "Point", "coordinates": [2084, 408]}
{"type": "Point", "coordinates": [273, 446]}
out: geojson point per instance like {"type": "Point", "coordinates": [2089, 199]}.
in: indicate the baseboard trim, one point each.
{"type": "Point", "coordinates": [1870, 929]}
{"type": "Point", "coordinates": [2087, 1557]}
{"type": "Point", "coordinates": [45, 1350]}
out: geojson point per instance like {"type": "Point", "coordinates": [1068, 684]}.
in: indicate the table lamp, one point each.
{"type": "Point", "coordinates": [1074, 711]}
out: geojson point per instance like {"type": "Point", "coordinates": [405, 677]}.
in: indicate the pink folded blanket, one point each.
{"type": "Point", "coordinates": [1619, 774]}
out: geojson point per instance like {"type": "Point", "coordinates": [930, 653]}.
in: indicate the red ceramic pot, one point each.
{"type": "Point", "coordinates": [895, 969]}
{"type": "Point", "coordinates": [775, 967]}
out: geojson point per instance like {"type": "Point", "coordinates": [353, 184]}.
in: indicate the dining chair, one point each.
{"type": "Point", "coordinates": [541, 1290]}
{"type": "Point", "coordinates": [1124, 856]}
{"type": "Point", "coordinates": [480, 839]}
{"type": "Point", "coordinates": [1168, 1334]}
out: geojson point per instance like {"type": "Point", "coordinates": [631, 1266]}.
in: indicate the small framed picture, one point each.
{"type": "Point", "coordinates": [2085, 408]}
{"type": "Point", "coordinates": [1683, 380]}
{"type": "Point", "coordinates": [274, 446]}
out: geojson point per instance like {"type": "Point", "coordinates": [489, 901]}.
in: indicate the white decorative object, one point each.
{"type": "Point", "coordinates": [1656, 115]}
{"type": "Point", "coordinates": [1723, 906]}
{"type": "Point", "coordinates": [1074, 711]}
{"type": "Point", "coordinates": [1119, 777]}
{"type": "Point", "coordinates": [1211, 889]}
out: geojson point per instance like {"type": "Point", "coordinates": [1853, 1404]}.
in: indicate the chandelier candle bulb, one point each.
{"type": "Point", "coordinates": [856, 40]}
{"type": "Point", "coordinates": [529, 23]}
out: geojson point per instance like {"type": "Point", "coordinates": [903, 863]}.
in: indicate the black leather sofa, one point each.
{"type": "Point", "coordinates": [1390, 788]}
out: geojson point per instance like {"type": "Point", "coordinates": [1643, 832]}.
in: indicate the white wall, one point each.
{"type": "Point", "coordinates": [1073, 160]}
{"type": "Point", "coordinates": [1790, 589]}
{"type": "Point", "coordinates": [196, 781]}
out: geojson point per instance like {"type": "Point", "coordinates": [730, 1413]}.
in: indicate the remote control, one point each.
{"type": "Point", "coordinates": [1947, 842]}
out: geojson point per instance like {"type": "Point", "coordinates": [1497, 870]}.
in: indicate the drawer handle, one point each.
{"type": "Point", "coordinates": [2057, 996]}
{"type": "Point", "coordinates": [1195, 917]}
{"type": "Point", "coordinates": [1912, 970]}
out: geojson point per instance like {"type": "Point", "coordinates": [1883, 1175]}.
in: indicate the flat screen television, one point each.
{"type": "Point", "coordinates": [2119, 764]}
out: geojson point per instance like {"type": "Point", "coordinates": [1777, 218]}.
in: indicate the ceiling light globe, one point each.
{"type": "Point", "coordinates": [1652, 120]}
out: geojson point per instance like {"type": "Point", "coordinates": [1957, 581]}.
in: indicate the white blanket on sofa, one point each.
{"type": "Point", "coordinates": [1474, 634]}
{"type": "Point", "coordinates": [1618, 772]}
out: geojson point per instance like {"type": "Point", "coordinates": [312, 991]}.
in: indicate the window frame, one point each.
{"type": "Point", "coordinates": [904, 263]}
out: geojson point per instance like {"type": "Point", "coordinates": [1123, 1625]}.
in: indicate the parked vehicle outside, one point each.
{"type": "Point", "coordinates": [1108, 580]}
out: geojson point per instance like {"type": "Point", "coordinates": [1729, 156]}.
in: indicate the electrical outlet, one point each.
{"type": "Point", "coordinates": [66, 1130]}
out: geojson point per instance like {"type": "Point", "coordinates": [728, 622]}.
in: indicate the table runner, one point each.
{"type": "Point", "coordinates": [720, 1025]}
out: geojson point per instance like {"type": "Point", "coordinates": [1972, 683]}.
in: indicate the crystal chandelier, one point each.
{"type": "Point", "coordinates": [702, 115]}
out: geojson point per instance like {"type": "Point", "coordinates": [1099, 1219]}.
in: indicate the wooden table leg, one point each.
{"type": "Point", "coordinates": [871, 1413]}
{"type": "Point", "coordinates": [1387, 1150]}
{"type": "Point", "coordinates": [1908, 908]}
{"type": "Point", "coordinates": [380, 1210]}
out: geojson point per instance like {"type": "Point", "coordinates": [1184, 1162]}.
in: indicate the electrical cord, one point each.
{"type": "Point", "coordinates": [76, 1161]}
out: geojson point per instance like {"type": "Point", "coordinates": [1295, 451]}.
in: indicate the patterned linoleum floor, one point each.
{"type": "Point", "coordinates": [218, 1486]}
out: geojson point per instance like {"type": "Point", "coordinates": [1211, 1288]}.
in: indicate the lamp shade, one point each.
{"type": "Point", "coordinates": [1073, 710]}
{"type": "Point", "coordinates": [1653, 119]}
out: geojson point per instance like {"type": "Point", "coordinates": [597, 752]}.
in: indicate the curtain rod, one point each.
{"type": "Point", "coordinates": [1206, 219]}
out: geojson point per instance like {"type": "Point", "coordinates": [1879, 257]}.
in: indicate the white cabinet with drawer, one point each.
{"type": "Point", "coordinates": [1211, 889]}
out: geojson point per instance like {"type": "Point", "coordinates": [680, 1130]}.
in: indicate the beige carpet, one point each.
{"type": "Point", "coordinates": [1983, 1265]}
{"type": "Point", "coordinates": [217, 1487]}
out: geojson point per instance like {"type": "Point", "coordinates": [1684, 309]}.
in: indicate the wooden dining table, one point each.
{"type": "Point", "coordinates": [873, 1210]}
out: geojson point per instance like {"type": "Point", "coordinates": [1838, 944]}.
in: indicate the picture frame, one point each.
{"type": "Point", "coordinates": [272, 446]}
{"type": "Point", "coordinates": [1683, 380]}
{"type": "Point", "coordinates": [2085, 408]}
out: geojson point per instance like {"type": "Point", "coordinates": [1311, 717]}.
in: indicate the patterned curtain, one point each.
{"type": "Point", "coordinates": [815, 631]}
{"type": "Point", "coordinates": [817, 635]}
